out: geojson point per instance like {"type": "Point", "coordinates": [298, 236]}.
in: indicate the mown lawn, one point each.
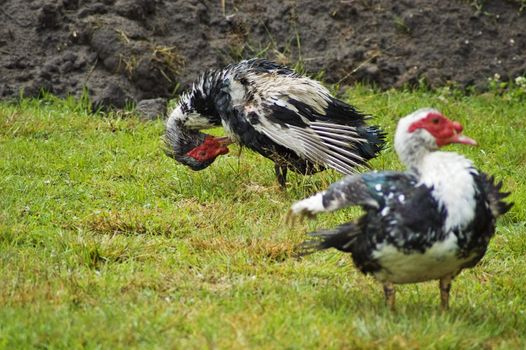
{"type": "Point", "coordinates": [107, 243]}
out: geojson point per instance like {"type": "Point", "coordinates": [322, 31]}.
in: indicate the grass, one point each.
{"type": "Point", "coordinates": [107, 243]}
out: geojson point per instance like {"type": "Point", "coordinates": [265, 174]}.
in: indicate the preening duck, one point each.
{"type": "Point", "coordinates": [268, 108]}
{"type": "Point", "coordinates": [427, 223]}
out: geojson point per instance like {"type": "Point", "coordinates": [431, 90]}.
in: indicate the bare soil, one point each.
{"type": "Point", "coordinates": [123, 51]}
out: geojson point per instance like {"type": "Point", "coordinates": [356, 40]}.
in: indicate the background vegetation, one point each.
{"type": "Point", "coordinates": [107, 243]}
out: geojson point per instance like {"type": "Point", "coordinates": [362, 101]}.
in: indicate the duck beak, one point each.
{"type": "Point", "coordinates": [459, 138]}
{"type": "Point", "coordinates": [223, 141]}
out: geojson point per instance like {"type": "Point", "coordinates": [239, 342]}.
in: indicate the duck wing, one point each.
{"type": "Point", "coordinates": [299, 113]}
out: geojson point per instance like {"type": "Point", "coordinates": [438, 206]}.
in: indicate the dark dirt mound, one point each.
{"type": "Point", "coordinates": [129, 50]}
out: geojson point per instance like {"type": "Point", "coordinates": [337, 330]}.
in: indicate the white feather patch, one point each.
{"type": "Point", "coordinates": [312, 205]}
{"type": "Point", "coordinates": [438, 261]}
{"type": "Point", "coordinates": [237, 93]}
{"type": "Point", "coordinates": [323, 143]}
{"type": "Point", "coordinates": [453, 185]}
{"type": "Point", "coordinates": [197, 121]}
{"type": "Point", "coordinates": [272, 86]}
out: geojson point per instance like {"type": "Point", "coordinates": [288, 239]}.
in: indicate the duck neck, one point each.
{"type": "Point", "coordinates": [202, 97]}
{"type": "Point", "coordinates": [180, 139]}
{"type": "Point", "coordinates": [412, 154]}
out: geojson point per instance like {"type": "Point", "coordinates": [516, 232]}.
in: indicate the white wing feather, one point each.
{"type": "Point", "coordinates": [320, 142]}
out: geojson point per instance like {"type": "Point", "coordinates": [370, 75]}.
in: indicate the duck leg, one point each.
{"type": "Point", "coordinates": [281, 175]}
{"type": "Point", "coordinates": [445, 286]}
{"type": "Point", "coordinates": [389, 292]}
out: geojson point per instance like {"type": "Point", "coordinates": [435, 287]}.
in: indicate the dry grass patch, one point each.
{"type": "Point", "coordinates": [261, 249]}
{"type": "Point", "coordinates": [139, 221]}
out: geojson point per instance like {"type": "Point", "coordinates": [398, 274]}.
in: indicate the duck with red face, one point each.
{"type": "Point", "coordinates": [194, 149]}
{"type": "Point", "coordinates": [442, 129]}
{"type": "Point", "coordinates": [268, 108]}
{"type": "Point", "coordinates": [427, 223]}
{"type": "Point", "coordinates": [210, 149]}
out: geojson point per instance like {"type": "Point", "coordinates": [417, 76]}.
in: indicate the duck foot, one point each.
{"type": "Point", "coordinates": [445, 286]}
{"type": "Point", "coordinates": [389, 292]}
{"type": "Point", "coordinates": [281, 175]}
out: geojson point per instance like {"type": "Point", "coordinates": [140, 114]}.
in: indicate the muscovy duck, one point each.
{"type": "Point", "coordinates": [286, 117]}
{"type": "Point", "coordinates": [427, 223]}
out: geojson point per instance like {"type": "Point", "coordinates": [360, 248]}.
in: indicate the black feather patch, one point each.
{"type": "Point", "coordinates": [341, 238]}
{"type": "Point", "coordinates": [495, 196]}
{"type": "Point", "coordinates": [375, 138]}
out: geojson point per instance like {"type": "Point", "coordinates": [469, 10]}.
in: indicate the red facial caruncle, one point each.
{"type": "Point", "coordinates": [210, 148]}
{"type": "Point", "coordinates": [443, 130]}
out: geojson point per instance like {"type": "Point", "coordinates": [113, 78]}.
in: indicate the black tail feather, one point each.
{"type": "Point", "coordinates": [375, 141]}
{"type": "Point", "coordinates": [341, 238]}
{"type": "Point", "coordinates": [495, 196]}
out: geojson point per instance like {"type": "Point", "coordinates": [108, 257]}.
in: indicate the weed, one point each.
{"type": "Point", "coordinates": [401, 26]}
{"type": "Point", "coordinates": [129, 64]}
{"type": "Point", "coordinates": [168, 58]}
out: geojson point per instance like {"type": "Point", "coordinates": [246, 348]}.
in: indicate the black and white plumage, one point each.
{"type": "Point", "coordinates": [427, 223]}
{"type": "Point", "coordinates": [288, 118]}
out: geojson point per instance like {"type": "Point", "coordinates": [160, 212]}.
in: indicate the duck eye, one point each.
{"type": "Point", "coordinates": [435, 120]}
{"type": "Point", "coordinates": [201, 154]}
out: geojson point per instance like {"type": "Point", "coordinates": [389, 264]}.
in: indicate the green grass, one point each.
{"type": "Point", "coordinates": [107, 243]}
